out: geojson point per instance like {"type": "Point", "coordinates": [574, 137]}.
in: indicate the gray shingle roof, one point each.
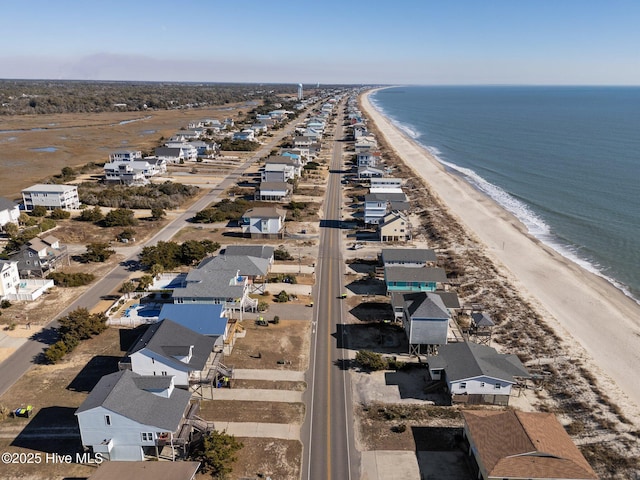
{"type": "Point", "coordinates": [121, 393]}
{"type": "Point", "coordinates": [412, 255]}
{"type": "Point", "coordinates": [412, 274]}
{"type": "Point", "coordinates": [244, 264]}
{"type": "Point", "coordinates": [167, 338]}
{"type": "Point", "coordinates": [260, 251]}
{"type": "Point", "coordinates": [468, 360]}
{"type": "Point", "coordinates": [6, 204]}
{"type": "Point", "coordinates": [425, 305]}
{"type": "Point", "coordinates": [265, 212]}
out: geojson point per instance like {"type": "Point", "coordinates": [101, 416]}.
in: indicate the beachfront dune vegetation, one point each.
{"type": "Point", "coordinates": [164, 196]}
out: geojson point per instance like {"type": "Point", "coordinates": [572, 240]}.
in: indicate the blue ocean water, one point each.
{"type": "Point", "coordinates": [564, 160]}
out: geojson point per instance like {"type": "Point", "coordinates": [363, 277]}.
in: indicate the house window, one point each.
{"type": "Point", "coordinates": [107, 420]}
{"type": "Point", "coordinates": [147, 437]}
{"type": "Point", "coordinates": [164, 373]}
{"type": "Point", "coordinates": [497, 386]}
{"type": "Point", "coordinates": [463, 385]}
{"type": "Point", "coordinates": [482, 384]}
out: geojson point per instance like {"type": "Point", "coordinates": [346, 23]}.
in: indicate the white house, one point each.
{"type": "Point", "coordinates": [246, 134]}
{"type": "Point", "coordinates": [377, 205]}
{"type": "Point", "coordinates": [263, 222]}
{"type": "Point", "coordinates": [125, 156]}
{"type": "Point", "coordinates": [9, 212]}
{"type": "Point", "coordinates": [476, 373]}
{"type": "Point", "coordinates": [273, 191]}
{"type": "Point", "coordinates": [175, 154]}
{"type": "Point", "coordinates": [127, 415]}
{"type": "Point", "coordinates": [51, 197]}
{"type": "Point", "coordinates": [385, 182]}
{"type": "Point", "coordinates": [281, 172]}
{"type": "Point", "coordinates": [367, 159]}
{"type": "Point", "coordinates": [169, 349]}
{"type": "Point", "coordinates": [9, 278]}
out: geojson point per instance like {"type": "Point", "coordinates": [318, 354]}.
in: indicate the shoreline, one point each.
{"type": "Point", "coordinates": [589, 309]}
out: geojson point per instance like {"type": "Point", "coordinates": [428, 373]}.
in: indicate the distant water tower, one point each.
{"type": "Point", "coordinates": [299, 91]}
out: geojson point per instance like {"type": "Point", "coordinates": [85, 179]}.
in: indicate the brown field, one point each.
{"type": "Point", "coordinates": [83, 138]}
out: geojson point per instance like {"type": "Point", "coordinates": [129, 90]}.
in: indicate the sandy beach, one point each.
{"type": "Point", "coordinates": [585, 310]}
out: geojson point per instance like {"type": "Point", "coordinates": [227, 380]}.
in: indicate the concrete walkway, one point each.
{"type": "Point", "coordinates": [257, 394]}
{"type": "Point", "coordinates": [266, 374]}
{"type": "Point", "coordinates": [389, 465]}
{"type": "Point", "coordinates": [283, 431]}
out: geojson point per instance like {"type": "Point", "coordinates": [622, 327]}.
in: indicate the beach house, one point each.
{"type": "Point", "coordinates": [410, 279]}
{"type": "Point", "coordinates": [394, 228]}
{"type": "Point", "coordinates": [263, 222]}
{"type": "Point", "coordinates": [407, 257]}
{"type": "Point", "coordinates": [512, 445]}
{"type": "Point", "coordinates": [425, 321]}
{"type": "Point", "coordinates": [129, 416]}
{"type": "Point", "coordinates": [51, 196]}
{"type": "Point", "coordinates": [170, 349]}
{"type": "Point", "coordinates": [273, 191]}
{"type": "Point", "coordinates": [40, 255]}
{"type": "Point", "coordinates": [476, 374]}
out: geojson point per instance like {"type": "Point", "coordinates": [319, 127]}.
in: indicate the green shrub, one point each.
{"type": "Point", "coordinates": [71, 279]}
{"type": "Point", "coordinates": [370, 361]}
{"type": "Point", "coordinates": [59, 214]}
{"type": "Point", "coordinates": [282, 297]}
{"type": "Point", "coordinates": [5, 304]}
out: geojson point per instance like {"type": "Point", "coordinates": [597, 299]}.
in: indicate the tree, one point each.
{"type": "Point", "coordinates": [157, 213]}
{"type": "Point", "coordinates": [11, 229]}
{"type": "Point", "coordinates": [128, 287]}
{"type": "Point", "coordinates": [217, 453]}
{"type": "Point", "coordinates": [82, 325]}
{"type": "Point", "coordinates": [192, 251]}
{"type": "Point", "coordinates": [120, 217]}
{"type": "Point", "coordinates": [166, 254]}
{"type": "Point", "coordinates": [91, 214]}
{"type": "Point", "coordinates": [145, 282]}
{"type": "Point", "coordinates": [126, 234]}
{"type": "Point", "coordinates": [281, 254]}
{"type": "Point", "coordinates": [156, 270]}
{"type": "Point", "coordinates": [98, 252]}
{"type": "Point", "coordinates": [370, 361]}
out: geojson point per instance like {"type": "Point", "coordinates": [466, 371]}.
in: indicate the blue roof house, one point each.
{"type": "Point", "coordinates": [203, 318]}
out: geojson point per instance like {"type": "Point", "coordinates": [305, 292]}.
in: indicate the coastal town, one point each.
{"type": "Point", "coordinates": [221, 286]}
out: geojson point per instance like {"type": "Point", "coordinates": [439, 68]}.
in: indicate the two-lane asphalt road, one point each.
{"type": "Point", "coordinates": [22, 359]}
{"type": "Point", "coordinates": [329, 449]}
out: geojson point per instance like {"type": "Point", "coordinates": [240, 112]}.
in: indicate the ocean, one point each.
{"type": "Point", "coordinates": [564, 160]}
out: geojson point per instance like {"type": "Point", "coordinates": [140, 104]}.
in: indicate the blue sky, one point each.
{"type": "Point", "coordinates": [328, 41]}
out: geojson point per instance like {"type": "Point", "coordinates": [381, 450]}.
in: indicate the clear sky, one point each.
{"type": "Point", "coordinates": [328, 41]}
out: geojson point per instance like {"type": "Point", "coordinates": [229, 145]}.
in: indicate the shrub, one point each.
{"type": "Point", "coordinates": [5, 304]}
{"type": "Point", "coordinates": [282, 297]}
{"type": "Point", "coordinates": [38, 211]}
{"type": "Point", "coordinates": [120, 217]}
{"type": "Point", "coordinates": [91, 214]}
{"type": "Point", "coordinates": [71, 279]}
{"type": "Point", "coordinates": [47, 224]}
{"type": "Point", "coordinates": [281, 254]}
{"type": "Point", "coordinates": [276, 320]}
{"type": "Point", "coordinates": [370, 361]}
{"type": "Point", "coordinates": [262, 306]}
{"type": "Point", "coordinates": [59, 214]}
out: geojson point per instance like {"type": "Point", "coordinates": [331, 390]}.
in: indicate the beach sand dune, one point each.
{"type": "Point", "coordinates": [584, 309]}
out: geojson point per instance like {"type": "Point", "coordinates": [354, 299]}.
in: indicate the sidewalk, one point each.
{"type": "Point", "coordinates": [257, 394]}
{"type": "Point", "coordinates": [283, 431]}
{"type": "Point", "coordinates": [266, 374]}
